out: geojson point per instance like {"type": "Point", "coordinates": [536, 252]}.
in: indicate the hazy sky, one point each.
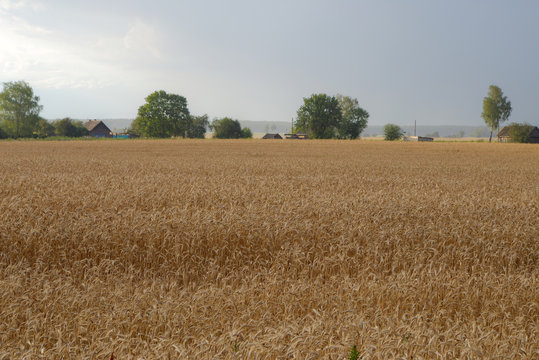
{"type": "Point", "coordinates": [404, 60]}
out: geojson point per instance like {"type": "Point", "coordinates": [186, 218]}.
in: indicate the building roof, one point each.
{"type": "Point", "coordinates": [92, 124]}
{"type": "Point", "coordinates": [272, 136]}
{"type": "Point", "coordinates": [504, 131]}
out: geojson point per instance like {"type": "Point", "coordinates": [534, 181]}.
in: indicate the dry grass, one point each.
{"type": "Point", "coordinates": [268, 250]}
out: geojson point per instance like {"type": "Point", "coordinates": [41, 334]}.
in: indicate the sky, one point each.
{"type": "Point", "coordinates": [429, 61]}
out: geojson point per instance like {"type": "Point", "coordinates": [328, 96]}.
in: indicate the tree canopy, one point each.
{"type": "Point", "coordinates": [496, 108]}
{"type": "Point", "coordinates": [325, 117]}
{"type": "Point", "coordinates": [44, 128]}
{"type": "Point", "coordinates": [520, 133]}
{"type": "Point", "coordinates": [319, 116]}
{"type": "Point", "coordinates": [354, 118]}
{"type": "Point", "coordinates": [70, 128]}
{"type": "Point", "coordinates": [163, 115]}
{"type": "Point", "coordinates": [19, 109]}
{"type": "Point", "coordinates": [227, 128]}
{"type": "Point", "coordinates": [198, 127]}
{"type": "Point", "coordinates": [392, 132]}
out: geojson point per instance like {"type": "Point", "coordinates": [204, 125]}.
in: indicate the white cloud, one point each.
{"type": "Point", "coordinates": [20, 4]}
{"type": "Point", "coordinates": [55, 59]}
{"type": "Point", "coordinates": [141, 37]}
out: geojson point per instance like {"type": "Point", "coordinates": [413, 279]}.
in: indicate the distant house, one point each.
{"type": "Point", "coordinates": [533, 135]}
{"type": "Point", "coordinates": [272, 136]}
{"type": "Point", "coordinates": [97, 128]}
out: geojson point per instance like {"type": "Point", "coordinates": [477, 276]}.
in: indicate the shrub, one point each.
{"type": "Point", "coordinates": [70, 128]}
{"type": "Point", "coordinates": [354, 354]}
{"type": "Point", "coordinates": [227, 128]}
{"type": "Point", "coordinates": [392, 132]}
{"type": "Point", "coordinates": [520, 133]}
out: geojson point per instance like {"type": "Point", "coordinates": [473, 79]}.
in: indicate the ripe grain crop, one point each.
{"type": "Point", "coordinates": [259, 249]}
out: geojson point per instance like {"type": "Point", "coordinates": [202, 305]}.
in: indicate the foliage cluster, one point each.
{"type": "Point", "coordinates": [392, 132]}
{"type": "Point", "coordinates": [227, 128]}
{"type": "Point", "coordinates": [69, 128]}
{"type": "Point", "coordinates": [19, 116]}
{"type": "Point", "coordinates": [19, 110]}
{"type": "Point", "coordinates": [520, 133]}
{"type": "Point", "coordinates": [327, 117]}
{"type": "Point", "coordinates": [496, 108]}
{"type": "Point", "coordinates": [167, 115]}
{"type": "Point", "coordinates": [163, 115]}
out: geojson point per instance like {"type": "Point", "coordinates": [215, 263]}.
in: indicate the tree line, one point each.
{"type": "Point", "coordinates": [165, 115]}
{"type": "Point", "coordinates": [19, 116]}
{"type": "Point", "coordinates": [321, 117]}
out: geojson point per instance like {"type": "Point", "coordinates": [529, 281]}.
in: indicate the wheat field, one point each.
{"type": "Point", "coordinates": [253, 249]}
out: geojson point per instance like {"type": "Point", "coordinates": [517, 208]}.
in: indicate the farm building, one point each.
{"type": "Point", "coordinates": [417, 138]}
{"type": "Point", "coordinates": [504, 135]}
{"type": "Point", "coordinates": [296, 136]}
{"type": "Point", "coordinates": [97, 128]}
{"type": "Point", "coordinates": [272, 136]}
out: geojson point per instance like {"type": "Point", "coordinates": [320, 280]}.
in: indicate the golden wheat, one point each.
{"type": "Point", "coordinates": [268, 250]}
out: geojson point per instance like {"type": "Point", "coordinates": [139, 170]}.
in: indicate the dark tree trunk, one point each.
{"type": "Point", "coordinates": [490, 138]}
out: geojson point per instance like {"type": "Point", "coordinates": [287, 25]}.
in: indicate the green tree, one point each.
{"type": "Point", "coordinates": [392, 132]}
{"type": "Point", "coordinates": [520, 133]}
{"type": "Point", "coordinates": [354, 118]}
{"type": "Point", "coordinates": [198, 127]}
{"type": "Point", "coordinates": [70, 128]}
{"type": "Point", "coordinates": [227, 128]}
{"type": "Point", "coordinates": [246, 133]}
{"type": "Point", "coordinates": [3, 133]}
{"type": "Point", "coordinates": [44, 128]}
{"type": "Point", "coordinates": [320, 116]}
{"type": "Point", "coordinates": [163, 115]}
{"type": "Point", "coordinates": [496, 109]}
{"type": "Point", "coordinates": [19, 109]}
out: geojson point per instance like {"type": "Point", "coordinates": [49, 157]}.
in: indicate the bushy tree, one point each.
{"type": "Point", "coordinates": [44, 128]}
{"type": "Point", "coordinates": [354, 118]}
{"type": "Point", "coordinates": [319, 116]}
{"type": "Point", "coordinates": [324, 117]}
{"type": "Point", "coordinates": [496, 109]}
{"type": "Point", "coordinates": [163, 115]}
{"type": "Point", "coordinates": [198, 127]}
{"type": "Point", "coordinates": [520, 133]}
{"type": "Point", "coordinates": [227, 128]}
{"type": "Point", "coordinates": [19, 109]}
{"type": "Point", "coordinates": [3, 133]}
{"type": "Point", "coordinates": [246, 133]}
{"type": "Point", "coordinates": [392, 132]}
{"type": "Point", "coordinates": [70, 128]}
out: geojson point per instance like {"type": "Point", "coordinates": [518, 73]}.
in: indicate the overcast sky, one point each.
{"type": "Point", "coordinates": [430, 61]}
